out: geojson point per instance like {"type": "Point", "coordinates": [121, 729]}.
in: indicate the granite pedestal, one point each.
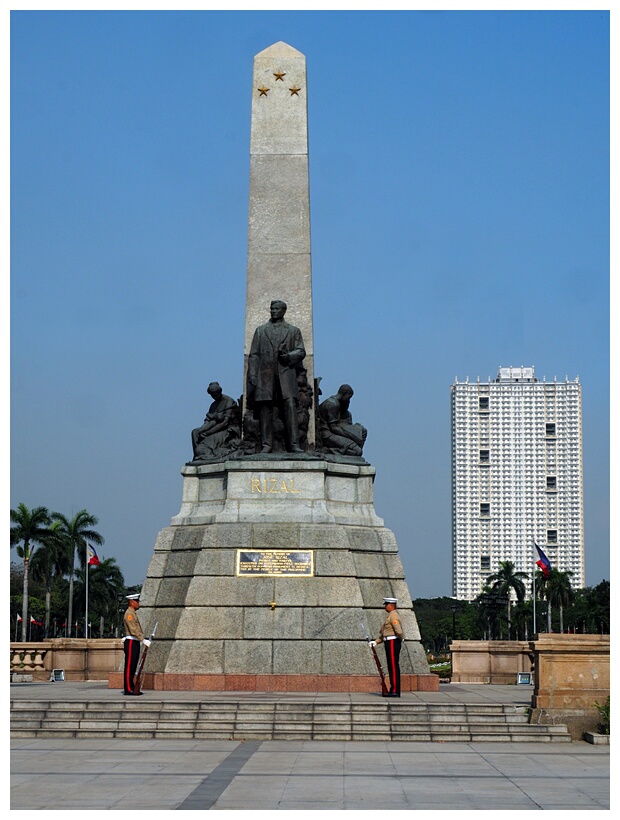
{"type": "Point", "coordinates": [224, 608]}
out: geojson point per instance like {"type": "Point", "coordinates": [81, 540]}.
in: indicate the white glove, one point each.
{"type": "Point", "coordinates": [146, 642]}
{"type": "Point", "coordinates": [372, 643]}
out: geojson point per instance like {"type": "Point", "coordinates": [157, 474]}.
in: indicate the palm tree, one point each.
{"type": "Point", "coordinates": [559, 591]}
{"type": "Point", "coordinates": [542, 589]}
{"type": "Point", "coordinates": [31, 528]}
{"type": "Point", "coordinates": [52, 560]}
{"type": "Point", "coordinates": [105, 586]}
{"type": "Point", "coordinates": [77, 531]}
{"type": "Point", "coordinates": [505, 582]}
{"type": "Point", "coordinates": [521, 617]}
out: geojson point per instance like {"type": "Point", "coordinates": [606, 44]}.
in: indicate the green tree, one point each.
{"type": "Point", "coordinates": [434, 618]}
{"type": "Point", "coordinates": [505, 582]}
{"type": "Point", "coordinates": [31, 528]}
{"type": "Point", "coordinates": [541, 587]}
{"type": "Point", "coordinates": [556, 589]}
{"type": "Point", "coordinates": [521, 618]}
{"type": "Point", "coordinates": [559, 591]}
{"type": "Point", "coordinates": [105, 586]}
{"type": "Point", "coordinates": [51, 560]}
{"type": "Point", "coordinates": [467, 622]}
{"type": "Point", "coordinates": [599, 604]}
{"type": "Point", "coordinates": [77, 531]}
{"type": "Point", "coordinates": [490, 605]}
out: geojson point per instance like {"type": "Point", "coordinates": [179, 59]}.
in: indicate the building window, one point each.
{"type": "Point", "coordinates": [485, 563]}
{"type": "Point", "coordinates": [485, 509]}
{"type": "Point", "coordinates": [552, 537]}
{"type": "Point", "coordinates": [550, 429]}
{"type": "Point", "coordinates": [552, 483]}
{"type": "Point", "coordinates": [484, 456]}
{"type": "Point", "coordinates": [483, 404]}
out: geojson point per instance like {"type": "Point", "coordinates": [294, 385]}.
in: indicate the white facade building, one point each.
{"type": "Point", "coordinates": [517, 476]}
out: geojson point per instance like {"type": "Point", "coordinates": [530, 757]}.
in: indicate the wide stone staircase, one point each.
{"type": "Point", "coordinates": [273, 720]}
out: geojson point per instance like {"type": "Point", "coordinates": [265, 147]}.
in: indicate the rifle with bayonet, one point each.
{"type": "Point", "coordinates": [140, 672]}
{"type": "Point", "coordinates": [384, 689]}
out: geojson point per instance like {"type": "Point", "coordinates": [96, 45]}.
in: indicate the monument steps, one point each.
{"type": "Point", "coordinates": [243, 720]}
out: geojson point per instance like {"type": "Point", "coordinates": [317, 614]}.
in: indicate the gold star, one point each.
{"type": "Point", "coordinates": [294, 90]}
{"type": "Point", "coordinates": [263, 91]}
{"type": "Point", "coordinates": [279, 75]}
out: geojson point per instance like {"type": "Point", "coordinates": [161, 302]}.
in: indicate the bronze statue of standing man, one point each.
{"type": "Point", "coordinates": [277, 348]}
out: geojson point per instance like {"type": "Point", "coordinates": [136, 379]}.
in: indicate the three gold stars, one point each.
{"type": "Point", "coordinates": [279, 75]}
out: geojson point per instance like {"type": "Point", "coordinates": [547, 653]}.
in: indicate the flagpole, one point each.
{"type": "Point", "coordinates": [86, 616]}
{"type": "Point", "coordinates": [534, 587]}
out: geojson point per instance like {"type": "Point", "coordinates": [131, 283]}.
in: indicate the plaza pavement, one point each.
{"type": "Point", "coordinates": [255, 775]}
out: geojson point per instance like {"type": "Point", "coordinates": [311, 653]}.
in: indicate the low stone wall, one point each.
{"type": "Point", "coordinates": [81, 659]}
{"type": "Point", "coordinates": [165, 681]}
{"type": "Point", "coordinates": [571, 673]}
{"type": "Point", "coordinates": [489, 661]}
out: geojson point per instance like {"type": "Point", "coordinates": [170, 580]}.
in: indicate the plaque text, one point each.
{"type": "Point", "coordinates": [275, 562]}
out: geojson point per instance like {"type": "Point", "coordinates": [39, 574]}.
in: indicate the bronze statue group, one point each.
{"type": "Point", "coordinates": [278, 403]}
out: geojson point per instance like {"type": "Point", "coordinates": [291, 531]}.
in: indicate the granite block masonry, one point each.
{"type": "Point", "coordinates": [216, 616]}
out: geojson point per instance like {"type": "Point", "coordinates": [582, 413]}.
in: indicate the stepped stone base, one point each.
{"type": "Point", "coordinates": [220, 615]}
{"type": "Point", "coordinates": [279, 717]}
{"type": "Point", "coordinates": [163, 682]}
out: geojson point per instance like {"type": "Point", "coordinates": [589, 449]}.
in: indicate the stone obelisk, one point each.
{"type": "Point", "coordinates": [263, 579]}
{"type": "Point", "coordinates": [279, 265]}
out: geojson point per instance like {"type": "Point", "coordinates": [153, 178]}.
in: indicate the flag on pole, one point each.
{"type": "Point", "coordinates": [32, 620]}
{"type": "Point", "coordinates": [92, 556]}
{"type": "Point", "coordinates": [19, 618]}
{"type": "Point", "coordinates": [543, 562]}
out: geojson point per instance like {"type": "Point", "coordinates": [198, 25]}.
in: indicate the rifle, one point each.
{"type": "Point", "coordinates": [140, 672]}
{"type": "Point", "coordinates": [384, 689]}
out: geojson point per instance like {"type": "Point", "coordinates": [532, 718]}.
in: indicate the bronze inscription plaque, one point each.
{"type": "Point", "coordinates": [275, 562]}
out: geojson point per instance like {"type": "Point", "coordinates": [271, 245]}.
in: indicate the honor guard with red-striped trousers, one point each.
{"type": "Point", "coordinates": [131, 643]}
{"type": "Point", "coordinates": [391, 635]}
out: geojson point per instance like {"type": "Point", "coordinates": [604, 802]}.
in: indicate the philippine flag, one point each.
{"type": "Point", "coordinates": [93, 560]}
{"type": "Point", "coordinates": [543, 562]}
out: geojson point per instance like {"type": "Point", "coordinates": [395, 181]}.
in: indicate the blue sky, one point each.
{"type": "Point", "coordinates": [459, 184]}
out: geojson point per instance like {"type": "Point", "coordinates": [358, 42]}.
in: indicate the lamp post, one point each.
{"type": "Point", "coordinates": [453, 608]}
{"type": "Point", "coordinates": [491, 603]}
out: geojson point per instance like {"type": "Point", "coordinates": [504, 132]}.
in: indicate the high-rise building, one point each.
{"type": "Point", "coordinates": [517, 476]}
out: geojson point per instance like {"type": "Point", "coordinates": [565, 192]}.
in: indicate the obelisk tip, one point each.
{"type": "Point", "coordinates": [280, 49]}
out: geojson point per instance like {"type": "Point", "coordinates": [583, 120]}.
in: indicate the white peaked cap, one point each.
{"type": "Point", "coordinates": [133, 597]}
{"type": "Point", "coordinates": [390, 600]}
